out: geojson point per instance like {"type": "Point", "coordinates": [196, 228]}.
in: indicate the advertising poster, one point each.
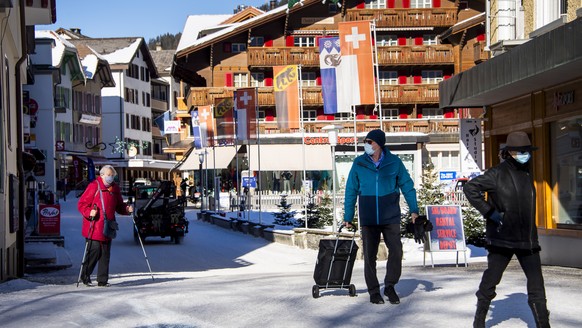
{"type": "Point", "coordinates": [447, 233]}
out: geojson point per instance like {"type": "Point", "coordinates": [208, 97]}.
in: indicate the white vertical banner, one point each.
{"type": "Point", "coordinates": [471, 143]}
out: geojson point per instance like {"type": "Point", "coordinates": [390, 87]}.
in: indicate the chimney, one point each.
{"type": "Point", "coordinates": [76, 30]}
{"type": "Point", "coordinates": [272, 4]}
{"type": "Point", "coordinates": [158, 46]}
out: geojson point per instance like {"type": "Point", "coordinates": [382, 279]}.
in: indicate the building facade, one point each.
{"type": "Point", "coordinates": [532, 85]}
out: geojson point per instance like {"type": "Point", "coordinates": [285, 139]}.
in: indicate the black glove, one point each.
{"type": "Point", "coordinates": [421, 226]}
{"type": "Point", "coordinates": [496, 217]}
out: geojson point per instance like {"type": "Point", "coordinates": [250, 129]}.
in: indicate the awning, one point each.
{"type": "Point", "coordinates": [290, 157]}
{"type": "Point", "coordinates": [216, 158]}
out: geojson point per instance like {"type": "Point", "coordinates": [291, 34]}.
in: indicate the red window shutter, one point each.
{"type": "Point", "coordinates": [436, 3]}
{"type": "Point", "coordinates": [361, 5]}
{"type": "Point", "coordinates": [481, 37]}
{"type": "Point", "coordinates": [391, 3]}
{"type": "Point", "coordinates": [317, 38]}
{"type": "Point", "coordinates": [406, 3]}
{"type": "Point", "coordinates": [318, 80]}
{"type": "Point", "coordinates": [402, 79]}
{"type": "Point", "coordinates": [268, 81]}
{"type": "Point", "coordinates": [228, 79]}
{"type": "Point", "coordinates": [373, 41]}
{"type": "Point", "coordinates": [289, 41]}
{"type": "Point", "coordinates": [268, 43]}
{"type": "Point", "coordinates": [401, 41]}
{"type": "Point", "coordinates": [417, 79]}
{"type": "Point", "coordinates": [226, 47]}
{"type": "Point", "coordinates": [418, 41]}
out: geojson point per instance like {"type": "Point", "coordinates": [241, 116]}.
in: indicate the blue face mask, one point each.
{"type": "Point", "coordinates": [522, 157]}
{"type": "Point", "coordinates": [368, 149]}
{"type": "Point", "coordinates": [108, 179]}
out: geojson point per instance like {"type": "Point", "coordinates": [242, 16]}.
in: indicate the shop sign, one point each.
{"type": "Point", "coordinates": [60, 145]}
{"type": "Point", "coordinates": [49, 222]}
{"type": "Point", "coordinates": [563, 99]}
{"type": "Point", "coordinates": [325, 140]}
{"type": "Point", "coordinates": [447, 233]}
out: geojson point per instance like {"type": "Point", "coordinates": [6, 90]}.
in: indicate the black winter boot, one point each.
{"type": "Point", "coordinates": [481, 313]}
{"type": "Point", "coordinates": [541, 314]}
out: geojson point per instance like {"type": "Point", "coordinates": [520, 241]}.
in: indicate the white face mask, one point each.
{"type": "Point", "coordinates": [522, 157]}
{"type": "Point", "coordinates": [368, 149]}
{"type": "Point", "coordinates": [108, 179]}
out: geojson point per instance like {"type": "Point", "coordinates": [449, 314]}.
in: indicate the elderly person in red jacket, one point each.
{"type": "Point", "coordinates": [91, 206]}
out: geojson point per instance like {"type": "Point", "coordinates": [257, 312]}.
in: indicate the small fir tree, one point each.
{"type": "Point", "coordinates": [326, 209]}
{"type": "Point", "coordinates": [285, 216]}
{"type": "Point", "coordinates": [474, 226]}
{"type": "Point", "coordinates": [312, 214]}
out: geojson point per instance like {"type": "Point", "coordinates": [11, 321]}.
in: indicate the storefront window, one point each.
{"type": "Point", "coordinates": [566, 145]}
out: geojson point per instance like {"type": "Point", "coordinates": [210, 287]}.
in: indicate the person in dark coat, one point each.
{"type": "Point", "coordinates": [98, 245]}
{"type": "Point", "coordinates": [505, 195]}
{"type": "Point", "coordinates": [376, 180]}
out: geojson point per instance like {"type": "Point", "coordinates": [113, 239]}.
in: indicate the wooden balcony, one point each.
{"type": "Point", "coordinates": [409, 17]}
{"type": "Point", "coordinates": [275, 56]}
{"type": "Point", "coordinates": [409, 94]}
{"type": "Point", "coordinates": [206, 96]}
{"type": "Point", "coordinates": [416, 55]}
{"type": "Point", "coordinates": [479, 53]}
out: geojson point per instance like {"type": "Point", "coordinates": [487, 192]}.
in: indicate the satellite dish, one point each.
{"type": "Point", "coordinates": [132, 151]}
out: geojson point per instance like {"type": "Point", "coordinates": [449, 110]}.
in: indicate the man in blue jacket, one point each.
{"type": "Point", "coordinates": [376, 180]}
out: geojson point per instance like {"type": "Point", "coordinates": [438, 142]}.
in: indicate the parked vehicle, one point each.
{"type": "Point", "coordinates": [159, 213]}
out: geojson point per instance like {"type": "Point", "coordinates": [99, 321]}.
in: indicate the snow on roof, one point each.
{"type": "Point", "coordinates": [197, 23]}
{"type": "Point", "coordinates": [90, 63]}
{"type": "Point", "coordinates": [235, 26]}
{"type": "Point", "coordinates": [61, 45]}
{"type": "Point", "coordinates": [123, 55]}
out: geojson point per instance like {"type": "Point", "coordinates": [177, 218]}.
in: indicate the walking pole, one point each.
{"type": "Point", "coordinates": [142, 248]}
{"type": "Point", "coordinates": [92, 218]}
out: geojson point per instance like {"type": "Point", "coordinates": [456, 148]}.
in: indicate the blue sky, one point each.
{"type": "Point", "coordinates": [145, 18]}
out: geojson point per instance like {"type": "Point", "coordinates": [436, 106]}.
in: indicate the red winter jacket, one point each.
{"type": "Point", "coordinates": [113, 203]}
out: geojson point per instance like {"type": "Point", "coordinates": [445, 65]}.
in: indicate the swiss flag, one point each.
{"type": "Point", "coordinates": [246, 117]}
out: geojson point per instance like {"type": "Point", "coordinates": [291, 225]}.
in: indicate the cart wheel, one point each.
{"type": "Point", "coordinates": [352, 290]}
{"type": "Point", "coordinates": [315, 291]}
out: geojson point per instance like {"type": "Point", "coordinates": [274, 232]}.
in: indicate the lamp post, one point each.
{"type": "Point", "coordinates": [332, 134]}
{"type": "Point", "coordinates": [201, 161]}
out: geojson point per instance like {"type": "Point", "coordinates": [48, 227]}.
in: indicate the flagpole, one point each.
{"type": "Point", "coordinates": [258, 150]}
{"type": "Point", "coordinates": [377, 69]}
{"type": "Point", "coordinates": [236, 157]}
{"type": "Point", "coordinates": [302, 127]}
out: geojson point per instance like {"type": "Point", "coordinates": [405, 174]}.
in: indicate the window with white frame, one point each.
{"type": "Point", "coordinates": [308, 79]}
{"type": "Point", "coordinates": [238, 47]}
{"type": "Point", "coordinates": [257, 41]}
{"type": "Point", "coordinates": [432, 113]}
{"type": "Point", "coordinates": [385, 40]}
{"type": "Point", "coordinates": [261, 115]}
{"type": "Point", "coordinates": [420, 3]}
{"type": "Point", "coordinates": [432, 77]}
{"type": "Point", "coordinates": [445, 160]}
{"type": "Point", "coordinates": [429, 39]}
{"type": "Point", "coordinates": [375, 4]}
{"type": "Point", "coordinates": [309, 115]}
{"type": "Point", "coordinates": [390, 113]}
{"type": "Point", "coordinates": [257, 79]}
{"type": "Point", "coordinates": [241, 80]}
{"type": "Point", "coordinates": [304, 41]}
{"type": "Point", "coordinates": [388, 77]}
{"type": "Point", "coordinates": [344, 116]}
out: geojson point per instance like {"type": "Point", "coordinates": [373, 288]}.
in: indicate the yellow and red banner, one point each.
{"type": "Point", "coordinates": [356, 73]}
{"type": "Point", "coordinates": [224, 117]}
{"type": "Point", "coordinates": [286, 86]}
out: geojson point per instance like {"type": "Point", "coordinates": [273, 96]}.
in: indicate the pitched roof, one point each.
{"type": "Point", "coordinates": [94, 64]}
{"type": "Point", "coordinates": [163, 60]}
{"type": "Point", "coordinates": [195, 24]}
{"type": "Point", "coordinates": [248, 12]}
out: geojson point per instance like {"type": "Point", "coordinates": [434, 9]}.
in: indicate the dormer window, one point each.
{"type": "Point", "coordinates": [304, 41]}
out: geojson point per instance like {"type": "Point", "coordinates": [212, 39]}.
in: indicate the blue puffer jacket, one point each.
{"type": "Point", "coordinates": [378, 190]}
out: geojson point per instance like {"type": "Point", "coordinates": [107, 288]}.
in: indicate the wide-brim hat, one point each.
{"type": "Point", "coordinates": [518, 141]}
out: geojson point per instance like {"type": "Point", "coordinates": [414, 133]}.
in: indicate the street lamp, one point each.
{"type": "Point", "coordinates": [332, 134]}
{"type": "Point", "coordinates": [201, 161]}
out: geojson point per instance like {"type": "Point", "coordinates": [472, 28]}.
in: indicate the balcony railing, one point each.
{"type": "Point", "coordinates": [409, 17]}
{"type": "Point", "coordinates": [409, 94]}
{"type": "Point", "coordinates": [273, 56]}
{"type": "Point", "coordinates": [416, 55]}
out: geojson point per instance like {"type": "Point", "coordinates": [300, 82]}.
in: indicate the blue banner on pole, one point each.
{"type": "Point", "coordinates": [249, 182]}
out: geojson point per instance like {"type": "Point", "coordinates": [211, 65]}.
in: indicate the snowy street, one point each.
{"type": "Point", "coordinates": [222, 278]}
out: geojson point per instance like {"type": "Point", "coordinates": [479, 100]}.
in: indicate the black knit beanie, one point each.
{"type": "Point", "coordinates": [378, 136]}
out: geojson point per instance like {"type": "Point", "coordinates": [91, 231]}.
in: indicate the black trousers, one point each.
{"type": "Point", "coordinates": [497, 261]}
{"type": "Point", "coordinates": [371, 241]}
{"type": "Point", "coordinates": [97, 252]}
